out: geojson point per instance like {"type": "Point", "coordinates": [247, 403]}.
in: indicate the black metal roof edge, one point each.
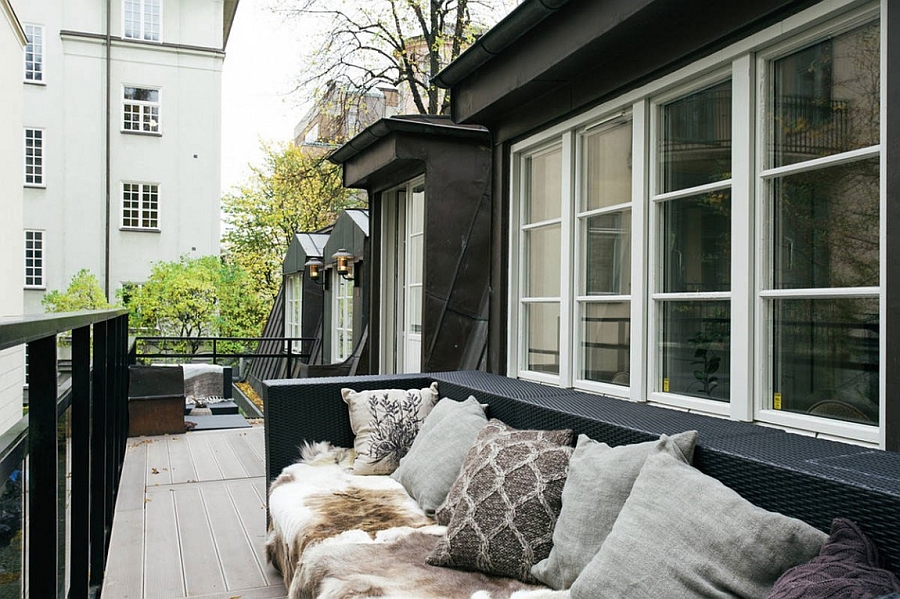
{"type": "Point", "coordinates": [421, 124]}
{"type": "Point", "coordinates": [521, 20]}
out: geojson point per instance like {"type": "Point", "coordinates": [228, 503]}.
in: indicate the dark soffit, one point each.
{"type": "Point", "coordinates": [415, 124]}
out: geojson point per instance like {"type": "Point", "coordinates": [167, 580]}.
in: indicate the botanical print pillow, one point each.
{"type": "Point", "coordinates": [385, 422]}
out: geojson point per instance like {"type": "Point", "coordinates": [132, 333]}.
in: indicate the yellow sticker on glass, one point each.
{"type": "Point", "coordinates": [777, 402]}
{"type": "Point", "coordinates": [665, 385]}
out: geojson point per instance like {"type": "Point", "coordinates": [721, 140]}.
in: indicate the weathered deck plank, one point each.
{"type": "Point", "coordinates": [190, 519]}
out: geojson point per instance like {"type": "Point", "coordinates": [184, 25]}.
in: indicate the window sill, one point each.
{"type": "Point", "coordinates": [41, 83]}
{"type": "Point", "coordinates": [141, 133]}
{"type": "Point", "coordinates": [35, 185]}
{"type": "Point", "coordinates": [139, 230]}
{"type": "Point", "coordinates": [35, 287]}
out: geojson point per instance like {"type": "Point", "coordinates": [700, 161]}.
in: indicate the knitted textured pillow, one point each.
{"type": "Point", "coordinates": [847, 567]}
{"type": "Point", "coordinates": [501, 511]}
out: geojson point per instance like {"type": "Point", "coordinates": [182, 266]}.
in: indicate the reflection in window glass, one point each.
{"type": "Point", "coordinates": [608, 255]}
{"type": "Point", "coordinates": [542, 337]}
{"type": "Point", "coordinates": [543, 186]}
{"type": "Point", "coordinates": [608, 167]}
{"type": "Point", "coordinates": [695, 148]}
{"type": "Point", "coordinates": [542, 261]}
{"type": "Point", "coordinates": [826, 227]}
{"type": "Point", "coordinates": [606, 342]}
{"type": "Point", "coordinates": [826, 98]}
{"type": "Point", "coordinates": [826, 357]}
{"type": "Point", "coordinates": [697, 243]}
{"type": "Point", "coordinates": [696, 349]}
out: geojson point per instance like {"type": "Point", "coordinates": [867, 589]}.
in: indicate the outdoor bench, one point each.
{"type": "Point", "coordinates": [810, 479]}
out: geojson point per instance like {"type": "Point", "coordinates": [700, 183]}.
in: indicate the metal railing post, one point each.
{"type": "Point", "coordinates": [81, 463]}
{"type": "Point", "coordinates": [98, 456]}
{"type": "Point", "coordinates": [43, 503]}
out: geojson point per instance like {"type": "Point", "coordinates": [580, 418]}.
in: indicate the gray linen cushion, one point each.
{"type": "Point", "coordinates": [684, 535]}
{"type": "Point", "coordinates": [385, 422]}
{"type": "Point", "coordinates": [428, 470]}
{"type": "Point", "coordinates": [600, 480]}
{"type": "Point", "coordinates": [506, 499]}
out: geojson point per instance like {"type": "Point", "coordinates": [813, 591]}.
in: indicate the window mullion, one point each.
{"type": "Point", "coordinates": [568, 263]}
{"type": "Point", "coordinates": [640, 193]}
{"type": "Point", "coordinates": [742, 237]}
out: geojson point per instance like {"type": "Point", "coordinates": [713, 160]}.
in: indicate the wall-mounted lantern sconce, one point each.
{"type": "Point", "coordinates": [314, 266]}
{"type": "Point", "coordinates": [344, 264]}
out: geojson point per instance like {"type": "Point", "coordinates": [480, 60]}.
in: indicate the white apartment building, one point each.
{"type": "Point", "coordinates": [12, 42]}
{"type": "Point", "coordinates": [120, 144]}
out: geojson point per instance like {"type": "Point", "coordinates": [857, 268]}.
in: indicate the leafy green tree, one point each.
{"type": "Point", "coordinates": [196, 297]}
{"type": "Point", "coordinates": [84, 293]}
{"type": "Point", "coordinates": [292, 192]}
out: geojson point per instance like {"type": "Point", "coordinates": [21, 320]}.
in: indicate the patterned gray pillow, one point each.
{"type": "Point", "coordinates": [385, 422]}
{"type": "Point", "coordinates": [501, 511]}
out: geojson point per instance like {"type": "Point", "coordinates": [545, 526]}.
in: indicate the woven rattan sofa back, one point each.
{"type": "Point", "coordinates": [803, 477]}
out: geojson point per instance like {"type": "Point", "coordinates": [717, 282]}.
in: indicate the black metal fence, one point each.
{"type": "Point", "coordinates": [88, 420]}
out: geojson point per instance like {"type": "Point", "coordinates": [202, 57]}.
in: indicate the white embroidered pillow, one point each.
{"type": "Point", "coordinates": [385, 422]}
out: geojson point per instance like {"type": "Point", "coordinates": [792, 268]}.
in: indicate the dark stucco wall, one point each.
{"type": "Point", "coordinates": [457, 237]}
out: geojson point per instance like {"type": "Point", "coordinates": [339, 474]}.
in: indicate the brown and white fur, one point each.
{"type": "Point", "coordinates": [335, 535]}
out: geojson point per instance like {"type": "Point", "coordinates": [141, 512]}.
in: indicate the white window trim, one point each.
{"type": "Point", "coordinates": [43, 283]}
{"type": "Point", "coordinates": [43, 167]}
{"type": "Point", "coordinates": [142, 104]}
{"type": "Point", "coordinates": [140, 37]}
{"type": "Point", "coordinates": [294, 310]}
{"type": "Point", "coordinates": [141, 216]}
{"type": "Point", "coordinates": [43, 79]}
{"type": "Point", "coordinates": [741, 60]}
{"type": "Point", "coordinates": [337, 355]}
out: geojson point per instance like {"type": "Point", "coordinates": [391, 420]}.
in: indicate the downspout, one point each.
{"type": "Point", "coordinates": [108, 177]}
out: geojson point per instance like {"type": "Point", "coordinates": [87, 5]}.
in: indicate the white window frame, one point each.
{"type": "Point", "coordinates": [293, 309]}
{"type": "Point", "coordinates": [743, 62]}
{"type": "Point", "coordinates": [35, 275]}
{"type": "Point", "coordinates": [38, 52]}
{"type": "Point", "coordinates": [143, 29]}
{"type": "Point", "coordinates": [146, 212]}
{"type": "Point", "coordinates": [144, 109]}
{"type": "Point", "coordinates": [342, 318]}
{"type": "Point", "coordinates": [37, 158]}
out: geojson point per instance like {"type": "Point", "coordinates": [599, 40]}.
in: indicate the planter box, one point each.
{"type": "Point", "coordinates": [155, 415]}
{"type": "Point", "coordinates": [155, 400]}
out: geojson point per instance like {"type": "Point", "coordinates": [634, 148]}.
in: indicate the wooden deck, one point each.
{"type": "Point", "coordinates": [190, 519]}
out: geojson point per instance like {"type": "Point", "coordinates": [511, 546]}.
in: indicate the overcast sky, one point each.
{"type": "Point", "coordinates": [261, 61]}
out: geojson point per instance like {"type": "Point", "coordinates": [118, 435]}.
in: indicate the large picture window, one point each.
{"type": "Point", "coordinates": [821, 185]}
{"type": "Point", "coordinates": [711, 241]}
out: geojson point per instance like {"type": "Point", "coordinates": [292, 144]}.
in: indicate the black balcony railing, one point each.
{"type": "Point", "coordinates": [90, 416]}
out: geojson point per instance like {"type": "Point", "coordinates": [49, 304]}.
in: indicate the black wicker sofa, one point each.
{"type": "Point", "coordinates": [802, 477]}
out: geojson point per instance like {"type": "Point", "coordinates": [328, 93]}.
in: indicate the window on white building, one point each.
{"type": "Point", "coordinates": [711, 241]}
{"type": "Point", "coordinates": [140, 206]}
{"type": "Point", "coordinates": [293, 310]}
{"type": "Point", "coordinates": [34, 53]}
{"type": "Point", "coordinates": [34, 157]}
{"type": "Point", "coordinates": [142, 19]}
{"type": "Point", "coordinates": [140, 110]}
{"type": "Point", "coordinates": [34, 259]}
